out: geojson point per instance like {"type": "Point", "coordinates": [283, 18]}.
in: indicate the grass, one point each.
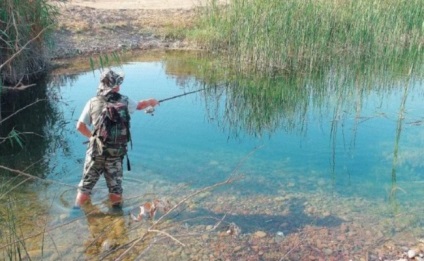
{"type": "Point", "coordinates": [292, 35]}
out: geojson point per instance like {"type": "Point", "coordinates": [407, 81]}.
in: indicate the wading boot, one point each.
{"type": "Point", "coordinates": [81, 199]}
{"type": "Point", "coordinates": [115, 200]}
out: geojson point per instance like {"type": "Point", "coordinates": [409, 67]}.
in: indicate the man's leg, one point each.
{"type": "Point", "coordinates": [115, 199]}
{"type": "Point", "coordinates": [113, 175]}
{"type": "Point", "coordinates": [93, 168]}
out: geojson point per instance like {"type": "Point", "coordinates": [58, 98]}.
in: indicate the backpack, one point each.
{"type": "Point", "coordinates": [112, 127]}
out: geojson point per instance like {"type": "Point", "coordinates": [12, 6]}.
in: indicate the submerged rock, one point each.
{"type": "Point", "coordinates": [259, 234]}
{"type": "Point", "coordinates": [411, 253]}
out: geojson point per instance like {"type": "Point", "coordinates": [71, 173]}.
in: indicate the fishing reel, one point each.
{"type": "Point", "coordinates": [149, 110]}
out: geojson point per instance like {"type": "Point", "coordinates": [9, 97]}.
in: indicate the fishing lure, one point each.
{"type": "Point", "coordinates": [150, 110]}
{"type": "Point", "coordinates": [149, 209]}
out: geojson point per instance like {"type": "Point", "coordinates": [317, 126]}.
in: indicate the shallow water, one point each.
{"type": "Point", "coordinates": [325, 162]}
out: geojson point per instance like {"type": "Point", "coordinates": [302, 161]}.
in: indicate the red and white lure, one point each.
{"type": "Point", "coordinates": [149, 209]}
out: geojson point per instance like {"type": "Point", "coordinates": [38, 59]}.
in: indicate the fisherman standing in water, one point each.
{"type": "Point", "coordinates": [109, 115]}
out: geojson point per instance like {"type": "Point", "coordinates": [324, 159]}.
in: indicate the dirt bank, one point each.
{"type": "Point", "coordinates": [140, 4]}
{"type": "Point", "coordinates": [99, 26]}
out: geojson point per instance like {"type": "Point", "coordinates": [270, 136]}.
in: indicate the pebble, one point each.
{"type": "Point", "coordinates": [279, 199]}
{"type": "Point", "coordinates": [106, 245]}
{"type": "Point", "coordinates": [411, 253]}
{"type": "Point", "coordinates": [327, 251]}
{"type": "Point", "coordinates": [280, 234]}
{"type": "Point", "coordinates": [260, 234]}
{"type": "Point", "coordinates": [237, 248]}
{"type": "Point", "coordinates": [63, 217]}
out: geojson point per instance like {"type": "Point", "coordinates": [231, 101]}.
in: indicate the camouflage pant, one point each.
{"type": "Point", "coordinates": [94, 167]}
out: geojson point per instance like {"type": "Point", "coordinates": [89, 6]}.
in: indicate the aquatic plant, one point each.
{"type": "Point", "coordinates": [25, 27]}
{"type": "Point", "coordinates": [15, 247]}
{"type": "Point", "coordinates": [286, 36]}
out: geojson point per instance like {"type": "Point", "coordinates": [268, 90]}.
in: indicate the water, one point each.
{"type": "Point", "coordinates": [312, 160]}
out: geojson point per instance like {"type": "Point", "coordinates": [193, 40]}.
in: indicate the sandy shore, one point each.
{"type": "Point", "coordinates": [141, 4]}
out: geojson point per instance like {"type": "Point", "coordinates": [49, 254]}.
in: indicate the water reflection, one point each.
{"type": "Point", "coordinates": [339, 98]}
{"type": "Point", "coordinates": [257, 105]}
{"type": "Point", "coordinates": [108, 231]}
{"type": "Point", "coordinates": [34, 116]}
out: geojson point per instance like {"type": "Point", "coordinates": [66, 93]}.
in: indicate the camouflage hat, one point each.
{"type": "Point", "coordinates": [108, 80]}
{"type": "Point", "coordinates": [111, 79]}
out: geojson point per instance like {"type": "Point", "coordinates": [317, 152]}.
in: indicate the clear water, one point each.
{"type": "Point", "coordinates": [337, 150]}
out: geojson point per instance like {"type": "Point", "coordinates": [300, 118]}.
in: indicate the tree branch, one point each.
{"type": "Point", "coordinates": [23, 47]}
{"type": "Point", "coordinates": [21, 109]}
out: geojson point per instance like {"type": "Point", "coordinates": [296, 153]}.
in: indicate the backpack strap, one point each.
{"type": "Point", "coordinates": [112, 96]}
{"type": "Point", "coordinates": [125, 98]}
{"type": "Point", "coordinates": [128, 162]}
{"type": "Point", "coordinates": [100, 101]}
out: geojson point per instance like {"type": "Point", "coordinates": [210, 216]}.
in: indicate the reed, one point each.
{"type": "Point", "coordinates": [16, 248]}
{"type": "Point", "coordinates": [25, 27]}
{"type": "Point", "coordinates": [272, 35]}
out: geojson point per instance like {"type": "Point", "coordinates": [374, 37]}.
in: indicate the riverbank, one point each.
{"type": "Point", "coordinates": [102, 26]}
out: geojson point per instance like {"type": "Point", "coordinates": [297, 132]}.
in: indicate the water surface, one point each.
{"type": "Point", "coordinates": [358, 150]}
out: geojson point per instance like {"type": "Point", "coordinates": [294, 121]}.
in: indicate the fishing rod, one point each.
{"type": "Point", "coordinates": [180, 95]}
{"type": "Point", "coordinates": [151, 109]}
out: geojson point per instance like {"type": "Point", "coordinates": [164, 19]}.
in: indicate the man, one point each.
{"type": "Point", "coordinates": [105, 155]}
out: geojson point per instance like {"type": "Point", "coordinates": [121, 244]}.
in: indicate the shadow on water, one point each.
{"type": "Point", "coordinates": [35, 122]}
{"type": "Point", "coordinates": [32, 114]}
{"type": "Point", "coordinates": [293, 222]}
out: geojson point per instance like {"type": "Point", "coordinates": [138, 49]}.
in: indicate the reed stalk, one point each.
{"type": "Point", "coordinates": [272, 35]}
{"type": "Point", "coordinates": [25, 27]}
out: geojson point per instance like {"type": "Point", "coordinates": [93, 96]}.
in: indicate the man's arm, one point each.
{"type": "Point", "coordinates": [83, 120]}
{"type": "Point", "coordinates": [81, 127]}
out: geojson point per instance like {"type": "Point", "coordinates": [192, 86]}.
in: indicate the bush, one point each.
{"type": "Point", "coordinates": [25, 26]}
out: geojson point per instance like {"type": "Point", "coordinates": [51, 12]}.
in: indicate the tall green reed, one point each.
{"type": "Point", "coordinates": [14, 247]}
{"type": "Point", "coordinates": [292, 35]}
{"type": "Point", "coordinates": [25, 27]}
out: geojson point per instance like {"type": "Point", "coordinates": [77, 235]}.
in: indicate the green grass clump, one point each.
{"type": "Point", "coordinates": [273, 35]}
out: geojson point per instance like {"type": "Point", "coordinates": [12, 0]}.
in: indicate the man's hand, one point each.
{"type": "Point", "coordinates": [143, 104]}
